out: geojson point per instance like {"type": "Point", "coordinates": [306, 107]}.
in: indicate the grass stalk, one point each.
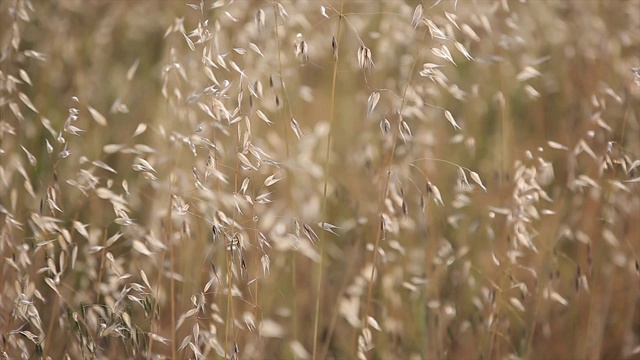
{"type": "Point", "coordinates": [285, 132]}
{"type": "Point", "coordinates": [383, 194]}
{"type": "Point", "coordinates": [332, 111]}
{"type": "Point", "coordinates": [502, 271]}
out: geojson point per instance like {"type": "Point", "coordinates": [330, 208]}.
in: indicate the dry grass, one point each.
{"type": "Point", "coordinates": [327, 180]}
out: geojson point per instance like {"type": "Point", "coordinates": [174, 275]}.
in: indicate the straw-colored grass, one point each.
{"type": "Point", "coordinates": [320, 180]}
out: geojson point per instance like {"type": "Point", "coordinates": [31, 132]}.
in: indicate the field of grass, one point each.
{"type": "Point", "coordinates": [320, 179]}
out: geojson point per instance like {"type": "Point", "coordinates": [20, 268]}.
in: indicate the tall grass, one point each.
{"type": "Point", "coordinates": [326, 180]}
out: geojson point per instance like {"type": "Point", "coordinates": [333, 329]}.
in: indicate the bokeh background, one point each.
{"type": "Point", "coordinates": [168, 188]}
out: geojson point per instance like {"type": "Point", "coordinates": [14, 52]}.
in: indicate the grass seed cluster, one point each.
{"type": "Point", "coordinates": [320, 179]}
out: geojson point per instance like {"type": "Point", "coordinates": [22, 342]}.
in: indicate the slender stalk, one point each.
{"type": "Point", "coordinates": [505, 137]}
{"type": "Point", "coordinates": [383, 195]}
{"type": "Point", "coordinates": [284, 123]}
{"type": "Point", "coordinates": [229, 259]}
{"type": "Point", "coordinates": [624, 123]}
{"type": "Point", "coordinates": [101, 270]}
{"type": "Point", "coordinates": [172, 285]}
{"type": "Point", "coordinates": [153, 326]}
{"type": "Point", "coordinates": [285, 95]}
{"type": "Point", "coordinates": [154, 323]}
{"type": "Point", "coordinates": [332, 108]}
{"type": "Point", "coordinates": [48, 343]}
{"type": "Point", "coordinates": [343, 287]}
{"type": "Point", "coordinates": [294, 299]}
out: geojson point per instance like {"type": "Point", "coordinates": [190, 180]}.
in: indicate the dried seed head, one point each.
{"type": "Point", "coordinates": [215, 230]}
{"type": "Point", "coordinates": [334, 47]}
{"type": "Point", "coordinates": [405, 131]}
{"type": "Point", "coordinates": [296, 128]}
{"type": "Point", "coordinates": [309, 233]}
{"type": "Point", "coordinates": [372, 102]}
{"type": "Point", "coordinates": [243, 268]}
{"type": "Point", "coordinates": [417, 15]}
{"type": "Point", "coordinates": [385, 126]}
{"type": "Point", "coordinates": [636, 75]}
{"type": "Point", "coordinates": [260, 19]}
{"type": "Point", "coordinates": [365, 60]}
{"type": "Point", "coordinates": [296, 227]}
{"type": "Point", "coordinates": [383, 227]}
{"type": "Point", "coordinates": [301, 48]}
{"type": "Point", "coordinates": [434, 192]}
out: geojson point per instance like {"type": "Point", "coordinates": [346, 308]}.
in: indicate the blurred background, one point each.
{"type": "Point", "coordinates": [168, 188]}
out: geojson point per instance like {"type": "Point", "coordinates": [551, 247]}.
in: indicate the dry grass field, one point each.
{"type": "Point", "coordinates": [314, 179]}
